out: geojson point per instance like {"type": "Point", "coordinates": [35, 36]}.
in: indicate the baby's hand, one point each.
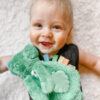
{"type": "Point", "coordinates": [3, 60]}
{"type": "Point", "coordinates": [3, 68]}
{"type": "Point", "coordinates": [97, 66]}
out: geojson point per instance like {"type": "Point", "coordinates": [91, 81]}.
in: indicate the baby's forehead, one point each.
{"type": "Point", "coordinates": [48, 5]}
{"type": "Point", "coordinates": [62, 6]}
{"type": "Point", "coordinates": [52, 3]}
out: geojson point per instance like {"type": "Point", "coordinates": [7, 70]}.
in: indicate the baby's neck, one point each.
{"type": "Point", "coordinates": [50, 55]}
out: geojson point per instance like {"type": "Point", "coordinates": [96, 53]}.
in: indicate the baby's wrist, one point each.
{"type": "Point", "coordinates": [97, 66]}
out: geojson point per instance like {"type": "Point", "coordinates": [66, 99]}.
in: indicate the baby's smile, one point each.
{"type": "Point", "coordinates": [46, 44]}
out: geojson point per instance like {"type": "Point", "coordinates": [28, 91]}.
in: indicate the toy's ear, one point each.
{"type": "Point", "coordinates": [17, 66]}
{"type": "Point", "coordinates": [30, 52]}
{"type": "Point", "coordinates": [61, 81]}
{"type": "Point", "coordinates": [20, 63]}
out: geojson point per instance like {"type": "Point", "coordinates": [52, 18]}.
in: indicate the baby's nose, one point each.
{"type": "Point", "coordinates": [47, 32]}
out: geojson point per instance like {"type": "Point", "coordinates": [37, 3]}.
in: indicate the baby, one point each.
{"type": "Point", "coordinates": [51, 23]}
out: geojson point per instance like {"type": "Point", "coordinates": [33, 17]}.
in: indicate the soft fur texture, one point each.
{"type": "Point", "coordinates": [51, 80]}
{"type": "Point", "coordinates": [14, 35]}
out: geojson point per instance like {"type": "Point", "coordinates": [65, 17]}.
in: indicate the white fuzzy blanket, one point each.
{"type": "Point", "coordinates": [14, 35]}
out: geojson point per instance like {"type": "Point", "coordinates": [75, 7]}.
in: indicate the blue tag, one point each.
{"type": "Point", "coordinates": [7, 64]}
{"type": "Point", "coordinates": [46, 57]}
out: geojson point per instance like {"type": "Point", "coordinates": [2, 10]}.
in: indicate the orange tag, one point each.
{"type": "Point", "coordinates": [63, 60]}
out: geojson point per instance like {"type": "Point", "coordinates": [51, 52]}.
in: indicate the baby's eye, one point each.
{"type": "Point", "coordinates": [56, 27]}
{"type": "Point", "coordinates": [38, 26]}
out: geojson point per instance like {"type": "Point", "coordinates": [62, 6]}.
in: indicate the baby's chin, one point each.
{"type": "Point", "coordinates": [45, 51]}
{"type": "Point", "coordinates": [49, 52]}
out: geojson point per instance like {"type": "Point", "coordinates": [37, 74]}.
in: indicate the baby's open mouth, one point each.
{"type": "Point", "coordinates": [46, 44]}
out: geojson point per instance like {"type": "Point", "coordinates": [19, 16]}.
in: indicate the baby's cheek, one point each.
{"type": "Point", "coordinates": [61, 41]}
{"type": "Point", "coordinates": [31, 37]}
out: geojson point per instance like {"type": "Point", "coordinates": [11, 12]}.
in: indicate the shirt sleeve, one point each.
{"type": "Point", "coordinates": [74, 55]}
{"type": "Point", "coordinates": [71, 52]}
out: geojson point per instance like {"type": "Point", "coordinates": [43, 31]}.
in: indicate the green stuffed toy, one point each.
{"type": "Point", "coordinates": [46, 80]}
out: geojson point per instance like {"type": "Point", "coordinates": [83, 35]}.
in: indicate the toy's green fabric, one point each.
{"type": "Point", "coordinates": [48, 80]}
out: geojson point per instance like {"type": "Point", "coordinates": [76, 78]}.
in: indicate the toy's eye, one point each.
{"type": "Point", "coordinates": [34, 73]}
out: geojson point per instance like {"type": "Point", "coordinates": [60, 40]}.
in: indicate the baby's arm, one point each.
{"type": "Point", "coordinates": [89, 60]}
{"type": "Point", "coordinates": [3, 60]}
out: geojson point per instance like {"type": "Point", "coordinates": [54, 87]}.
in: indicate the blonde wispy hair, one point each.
{"type": "Point", "coordinates": [66, 7]}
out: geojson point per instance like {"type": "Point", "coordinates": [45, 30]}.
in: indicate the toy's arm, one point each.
{"type": "Point", "coordinates": [3, 61]}
{"type": "Point", "coordinates": [32, 85]}
{"type": "Point", "coordinates": [89, 60]}
{"type": "Point", "coordinates": [44, 76]}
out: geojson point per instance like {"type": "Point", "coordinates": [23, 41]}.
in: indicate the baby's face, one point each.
{"type": "Point", "coordinates": [48, 28]}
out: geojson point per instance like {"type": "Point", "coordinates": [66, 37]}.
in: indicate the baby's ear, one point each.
{"type": "Point", "coordinates": [69, 36]}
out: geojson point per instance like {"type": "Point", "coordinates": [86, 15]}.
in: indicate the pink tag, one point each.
{"type": "Point", "coordinates": [63, 60]}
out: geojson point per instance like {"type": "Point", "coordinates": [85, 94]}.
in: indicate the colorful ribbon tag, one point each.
{"type": "Point", "coordinates": [46, 57]}
{"type": "Point", "coordinates": [63, 60]}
